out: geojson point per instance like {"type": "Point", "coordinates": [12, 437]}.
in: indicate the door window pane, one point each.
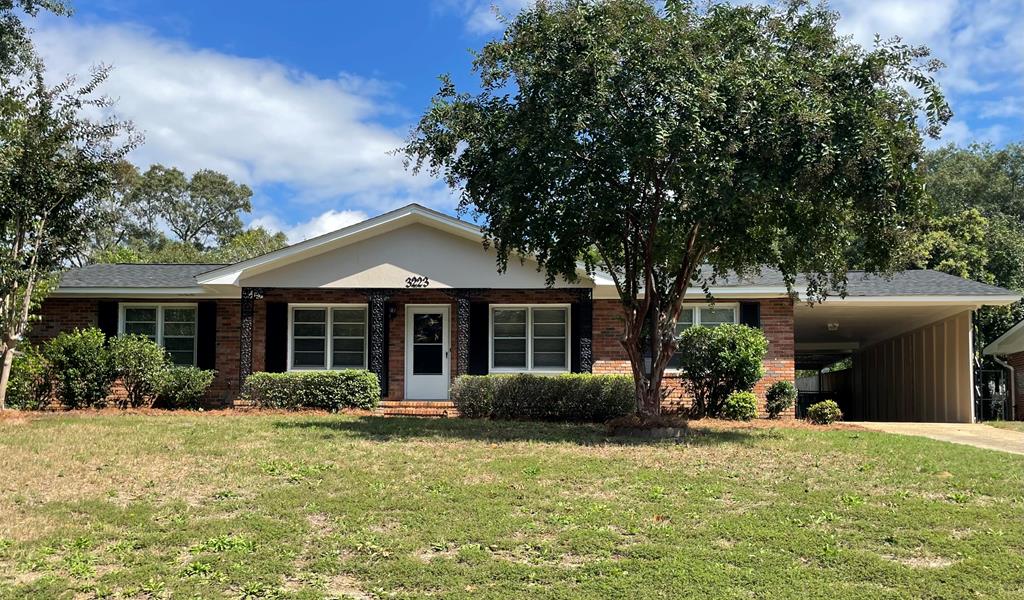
{"type": "Point", "coordinates": [428, 328]}
{"type": "Point", "coordinates": [427, 359]}
{"type": "Point", "coordinates": [509, 338]}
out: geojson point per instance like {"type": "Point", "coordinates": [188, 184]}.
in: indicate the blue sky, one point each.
{"type": "Point", "coordinates": [303, 101]}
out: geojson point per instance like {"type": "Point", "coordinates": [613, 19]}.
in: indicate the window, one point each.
{"type": "Point", "coordinates": [704, 316]}
{"type": "Point", "coordinates": [530, 338]}
{"type": "Point", "coordinates": [173, 326]}
{"type": "Point", "coordinates": [328, 337]}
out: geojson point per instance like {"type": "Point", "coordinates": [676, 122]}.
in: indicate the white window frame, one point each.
{"type": "Point", "coordinates": [160, 307]}
{"type": "Point", "coordinates": [529, 339]}
{"type": "Point", "coordinates": [329, 332]}
{"type": "Point", "coordinates": [735, 306]}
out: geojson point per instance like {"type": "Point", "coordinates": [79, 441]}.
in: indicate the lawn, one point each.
{"type": "Point", "coordinates": [1011, 425]}
{"type": "Point", "coordinates": [311, 506]}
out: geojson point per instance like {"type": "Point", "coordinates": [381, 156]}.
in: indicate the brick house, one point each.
{"type": "Point", "coordinates": [1008, 350]}
{"type": "Point", "coordinates": [413, 296]}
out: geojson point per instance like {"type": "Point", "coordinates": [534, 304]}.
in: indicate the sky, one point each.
{"type": "Point", "coordinates": [306, 101]}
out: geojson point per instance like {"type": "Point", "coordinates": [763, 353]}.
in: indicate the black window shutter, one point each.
{"type": "Point", "coordinates": [479, 334]}
{"type": "Point", "coordinates": [206, 340]}
{"type": "Point", "coordinates": [106, 318]}
{"type": "Point", "coordinates": [574, 332]}
{"type": "Point", "coordinates": [750, 314]}
{"type": "Point", "coordinates": [277, 338]}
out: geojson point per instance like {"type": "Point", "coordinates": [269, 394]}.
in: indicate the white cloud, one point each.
{"type": "Point", "coordinates": [324, 223]}
{"type": "Point", "coordinates": [254, 119]}
{"type": "Point", "coordinates": [480, 15]}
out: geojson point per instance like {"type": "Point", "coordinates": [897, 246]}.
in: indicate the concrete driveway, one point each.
{"type": "Point", "coordinates": [971, 434]}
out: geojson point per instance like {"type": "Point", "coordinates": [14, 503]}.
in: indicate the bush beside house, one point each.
{"type": "Point", "coordinates": [574, 398]}
{"type": "Point", "coordinates": [717, 361]}
{"type": "Point", "coordinates": [740, 406]}
{"type": "Point", "coordinates": [326, 390]}
{"type": "Point", "coordinates": [780, 397]}
{"type": "Point", "coordinates": [824, 413]}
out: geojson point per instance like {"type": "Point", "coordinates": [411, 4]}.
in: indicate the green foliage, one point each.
{"type": "Point", "coordinates": [140, 364]}
{"type": "Point", "coordinates": [183, 387]}
{"type": "Point", "coordinates": [825, 412]}
{"type": "Point", "coordinates": [575, 398]}
{"type": "Point", "coordinates": [326, 390]}
{"type": "Point", "coordinates": [650, 142]}
{"type": "Point", "coordinates": [717, 361]}
{"type": "Point", "coordinates": [199, 209]}
{"type": "Point", "coordinates": [740, 406]}
{"type": "Point", "coordinates": [81, 367]}
{"type": "Point", "coordinates": [30, 387]}
{"type": "Point", "coordinates": [780, 397]}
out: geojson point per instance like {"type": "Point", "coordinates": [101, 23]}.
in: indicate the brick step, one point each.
{"type": "Point", "coordinates": [417, 408]}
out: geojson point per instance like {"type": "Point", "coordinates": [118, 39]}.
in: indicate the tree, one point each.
{"type": "Point", "coordinates": [248, 244]}
{"type": "Point", "coordinates": [196, 210]}
{"type": "Point", "coordinates": [649, 143]}
{"type": "Point", "coordinates": [55, 166]}
{"type": "Point", "coordinates": [121, 220]}
{"type": "Point", "coordinates": [15, 47]}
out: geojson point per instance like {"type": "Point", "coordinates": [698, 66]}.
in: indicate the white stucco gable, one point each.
{"type": "Point", "coordinates": [410, 247]}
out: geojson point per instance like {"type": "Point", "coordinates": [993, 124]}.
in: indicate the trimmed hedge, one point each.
{"type": "Point", "coordinates": [780, 398]}
{"type": "Point", "coordinates": [825, 412]}
{"type": "Point", "coordinates": [573, 398]}
{"type": "Point", "coordinates": [81, 367]}
{"type": "Point", "coordinates": [740, 406]}
{"type": "Point", "coordinates": [183, 387]}
{"type": "Point", "coordinates": [326, 390]}
{"type": "Point", "coordinates": [31, 385]}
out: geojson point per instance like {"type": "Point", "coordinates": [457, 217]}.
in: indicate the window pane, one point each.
{"type": "Point", "coordinates": [186, 329]}
{"type": "Point", "coordinates": [348, 360]}
{"type": "Point", "coordinates": [182, 359]}
{"type": "Point", "coordinates": [510, 330]}
{"type": "Point", "coordinates": [510, 315]}
{"type": "Point", "coordinates": [348, 344]}
{"type": "Point", "coordinates": [309, 315]}
{"type": "Point", "coordinates": [348, 329]}
{"type": "Point", "coordinates": [179, 344]}
{"type": "Point", "coordinates": [309, 330]}
{"type": "Point", "coordinates": [140, 314]}
{"type": "Point", "coordinates": [349, 315]}
{"type": "Point", "coordinates": [549, 315]}
{"type": "Point", "coordinates": [685, 318]}
{"type": "Point", "coordinates": [509, 345]}
{"type": "Point", "coordinates": [308, 359]}
{"type": "Point", "coordinates": [711, 317]}
{"type": "Point", "coordinates": [179, 315]}
{"type": "Point", "coordinates": [308, 344]}
{"type": "Point", "coordinates": [549, 345]}
{"type": "Point", "coordinates": [510, 360]}
{"type": "Point", "coordinates": [147, 329]}
{"type": "Point", "coordinates": [549, 359]}
{"type": "Point", "coordinates": [546, 330]}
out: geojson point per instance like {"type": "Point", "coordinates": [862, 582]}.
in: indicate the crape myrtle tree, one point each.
{"type": "Point", "coordinates": [668, 147]}
{"type": "Point", "coordinates": [56, 163]}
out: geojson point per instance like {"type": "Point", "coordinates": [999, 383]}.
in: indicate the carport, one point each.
{"type": "Point", "coordinates": [909, 341]}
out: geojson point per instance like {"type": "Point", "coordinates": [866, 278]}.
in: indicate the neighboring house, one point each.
{"type": "Point", "coordinates": [413, 296]}
{"type": "Point", "coordinates": [1008, 350]}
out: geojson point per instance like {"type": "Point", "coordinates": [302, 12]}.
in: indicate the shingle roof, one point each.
{"type": "Point", "coordinates": [922, 282]}
{"type": "Point", "coordinates": [135, 276]}
{"type": "Point", "coordinates": [905, 283]}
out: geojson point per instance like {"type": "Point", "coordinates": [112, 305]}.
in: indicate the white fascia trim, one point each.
{"type": "Point", "coordinates": [608, 292]}
{"type": "Point", "coordinates": [967, 301]}
{"type": "Point", "coordinates": [132, 292]}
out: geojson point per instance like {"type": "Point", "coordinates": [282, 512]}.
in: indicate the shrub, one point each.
{"type": "Point", "coordinates": [824, 413]}
{"type": "Point", "coordinates": [81, 367]}
{"type": "Point", "coordinates": [183, 387]}
{"type": "Point", "coordinates": [719, 361]}
{"type": "Point", "coordinates": [577, 397]}
{"type": "Point", "coordinates": [30, 386]}
{"type": "Point", "coordinates": [327, 390]}
{"type": "Point", "coordinates": [140, 363]}
{"type": "Point", "coordinates": [780, 398]}
{"type": "Point", "coordinates": [740, 406]}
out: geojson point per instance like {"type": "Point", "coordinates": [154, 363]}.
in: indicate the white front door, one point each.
{"type": "Point", "coordinates": [426, 352]}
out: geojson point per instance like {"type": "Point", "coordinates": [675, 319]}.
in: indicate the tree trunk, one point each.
{"type": "Point", "coordinates": [5, 375]}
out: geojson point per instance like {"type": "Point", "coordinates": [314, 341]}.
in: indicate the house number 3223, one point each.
{"type": "Point", "coordinates": [417, 282]}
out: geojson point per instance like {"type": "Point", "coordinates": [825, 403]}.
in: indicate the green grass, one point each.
{"type": "Point", "coordinates": [1011, 425]}
{"type": "Point", "coordinates": [301, 506]}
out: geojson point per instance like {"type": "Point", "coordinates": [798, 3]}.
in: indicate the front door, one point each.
{"type": "Point", "coordinates": [426, 352]}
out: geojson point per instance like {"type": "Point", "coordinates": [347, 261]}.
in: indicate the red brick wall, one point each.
{"type": "Point", "coordinates": [64, 314]}
{"type": "Point", "coordinates": [776, 321]}
{"type": "Point", "coordinates": [1017, 362]}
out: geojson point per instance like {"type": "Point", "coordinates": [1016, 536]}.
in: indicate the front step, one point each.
{"type": "Point", "coordinates": [417, 408]}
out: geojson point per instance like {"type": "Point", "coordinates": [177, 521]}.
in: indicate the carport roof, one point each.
{"type": "Point", "coordinates": [921, 282]}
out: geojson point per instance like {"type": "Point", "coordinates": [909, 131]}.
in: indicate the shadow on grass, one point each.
{"type": "Point", "coordinates": [410, 428]}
